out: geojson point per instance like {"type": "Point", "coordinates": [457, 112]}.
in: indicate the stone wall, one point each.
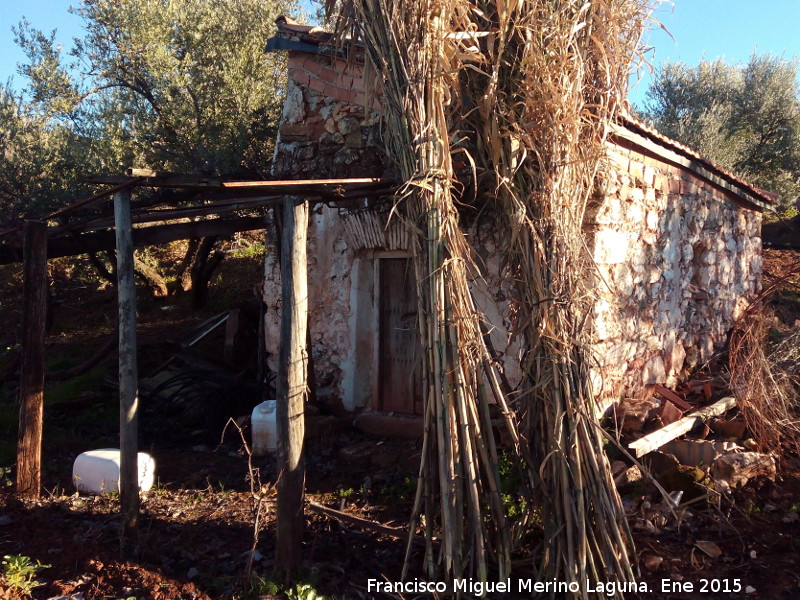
{"type": "Point", "coordinates": [327, 132]}
{"type": "Point", "coordinates": [678, 258]}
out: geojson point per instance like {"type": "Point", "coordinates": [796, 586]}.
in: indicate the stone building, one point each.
{"type": "Point", "coordinates": [675, 240]}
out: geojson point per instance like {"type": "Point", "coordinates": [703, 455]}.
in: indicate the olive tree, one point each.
{"type": "Point", "coordinates": [746, 117]}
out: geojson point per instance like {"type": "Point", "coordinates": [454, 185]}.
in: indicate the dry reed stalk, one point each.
{"type": "Point", "coordinates": [765, 383]}
{"type": "Point", "coordinates": [543, 79]}
{"type": "Point", "coordinates": [549, 86]}
{"type": "Point", "coordinates": [408, 45]}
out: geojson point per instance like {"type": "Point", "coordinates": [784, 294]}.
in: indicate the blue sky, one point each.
{"type": "Point", "coordinates": [729, 29]}
{"type": "Point", "coordinates": [45, 15]}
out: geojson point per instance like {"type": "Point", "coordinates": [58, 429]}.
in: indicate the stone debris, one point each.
{"type": "Point", "coordinates": [738, 468]}
{"type": "Point", "coordinates": [651, 562]}
{"type": "Point", "coordinates": [709, 548]}
{"type": "Point", "coordinates": [634, 413]}
{"type": "Point", "coordinates": [628, 476]}
{"type": "Point", "coordinates": [669, 413]}
{"type": "Point", "coordinates": [699, 452]}
{"type": "Point", "coordinates": [729, 429]}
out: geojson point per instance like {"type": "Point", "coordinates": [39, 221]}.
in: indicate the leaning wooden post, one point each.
{"type": "Point", "coordinates": [31, 388]}
{"type": "Point", "coordinates": [128, 376]}
{"type": "Point", "coordinates": [292, 387]}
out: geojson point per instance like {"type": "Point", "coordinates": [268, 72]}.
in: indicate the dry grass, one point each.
{"type": "Point", "coordinates": [765, 381]}
{"type": "Point", "coordinates": [526, 89]}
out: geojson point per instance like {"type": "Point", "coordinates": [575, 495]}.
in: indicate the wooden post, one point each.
{"type": "Point", "coordinates": [128, 375]}
{"type": "Point", "coordinates": [292, 368]}
{"type": "Point", "coordinates": [31, 388]}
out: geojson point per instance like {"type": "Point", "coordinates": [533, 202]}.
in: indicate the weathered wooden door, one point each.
{"type": "Point", "coordinates": [400, 382]}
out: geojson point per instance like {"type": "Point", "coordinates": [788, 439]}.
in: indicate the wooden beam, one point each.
{"type": "Point", "coordinates": [128, 372]}
{"type": "Point", "coordinates": [97, 241]}
{"type": "Point", "coordinates": [295, 186]}
{"type": "Point", "coordinates": [654, 441]}
{"type": "Point", "coordinates": [92, 199]}
{"type": "Point", "coordinates": [31, 389]}
{"type": "Point", "coordinates": [240, 202]}
{"type": "Point", "coordinates": [292, 373]}
{"type": "Point", "coordinates": [291, 184]}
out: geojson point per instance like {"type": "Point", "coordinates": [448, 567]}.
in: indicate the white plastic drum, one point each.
{"type": "Point", "coordinates": [264, 422]}
{"type": "Point", "coordinates": [97, 471]}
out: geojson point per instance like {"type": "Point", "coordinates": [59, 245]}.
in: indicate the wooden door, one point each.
{"type": "Point", "coordinates": [400, 385]}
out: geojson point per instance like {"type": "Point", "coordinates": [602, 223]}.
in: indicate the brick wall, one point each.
{"type": "Point", "coordinates": [326, 129]}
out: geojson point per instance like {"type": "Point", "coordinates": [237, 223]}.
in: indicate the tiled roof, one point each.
{"type": "Point", "coordinates": [636, 126]}
{"type": "Point", "coordinates": [308, 33]}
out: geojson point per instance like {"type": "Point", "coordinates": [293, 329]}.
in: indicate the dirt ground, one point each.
{"type": "Point", "coordinates": [196, 535]}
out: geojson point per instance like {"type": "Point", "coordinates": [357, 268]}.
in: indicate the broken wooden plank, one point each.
{"type": "Point", "coordinates": [668, 394]}
{"type": "Point", "coordinates": [364, 524]}
{"type": "Point", "coordinates": [653, 441]}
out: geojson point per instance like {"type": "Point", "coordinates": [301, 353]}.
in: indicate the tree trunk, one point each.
{"type": "Point", "coordinates": [151, 277]}
{"type": "Point", "coordinates": [292, 387]}
{"type": "Point", "coordinates": [102, 268]}
{"type": "Point", "coordinates": [183, 274]}
{"type": "Point", "coordinates": [203, 269]}
{"type": "Point", "coordinates": [31, 389]}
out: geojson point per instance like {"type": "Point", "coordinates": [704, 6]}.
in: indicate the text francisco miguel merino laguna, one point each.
{"type": "Point", "coordinates": [480, 588]}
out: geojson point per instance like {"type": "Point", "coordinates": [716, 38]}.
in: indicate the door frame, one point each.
{"type": "Point", "coordinates": [377, 256]}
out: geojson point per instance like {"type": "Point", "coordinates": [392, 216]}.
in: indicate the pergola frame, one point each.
{"type": "Point", "coordinates": [214, 207]}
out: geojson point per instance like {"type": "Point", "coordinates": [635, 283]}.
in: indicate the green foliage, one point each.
{"type": "Point", "coordinates": [346, 493]}
{"type": "Point", "coordinates": [19, 572]}
{"type": "Point", "coordinates": [177, 86]}
{"type": "Point", "coordinates": [261, 586]}
{"type": "Point", "coordinates": [303, 591]}
{"type": "Point", "coordinates": [5, 477]}
{"type": "Point", "coordinates": [196, 89]}
{"type": "Point", "coordinates": [40, 160]}
{"type": "Point", "coordinates": [746, 118]}
{"type": "Point", "coordinates": [514, 504]}
{"type": "Point", "coordinates": [65, 391]}
{"type": "Point", "coordinates": [299, 590]}
{"type": "Point", "coordinates": [249, 250]}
